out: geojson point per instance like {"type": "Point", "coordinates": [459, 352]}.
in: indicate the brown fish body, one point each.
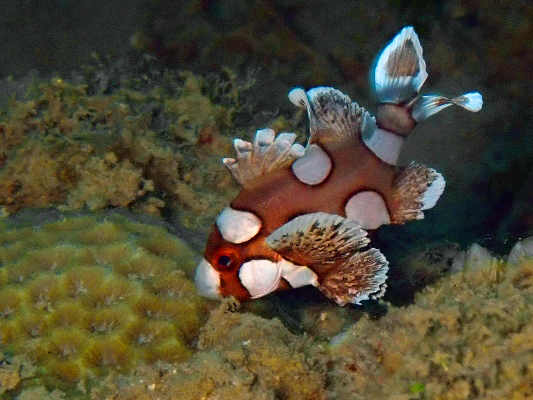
{"type": "Point", "coordinates": [303, 214]}
{"type": "Point", "coordinates": [280, 196]}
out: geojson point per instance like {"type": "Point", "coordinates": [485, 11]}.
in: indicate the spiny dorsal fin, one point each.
{"type": "Point", "coordinates": [330, 245]}
{"type": "Point", "coordinates": [332, 115]}
{"type": "Point", "coordinates": [265, 154]}
{"type": "Point", "coordinates": [400, 70]}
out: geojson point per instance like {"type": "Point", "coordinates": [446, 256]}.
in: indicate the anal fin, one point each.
{"type": "Point", "coordinates": [417, 188]}
{"type": "Point", "coordinates": [330, 246]}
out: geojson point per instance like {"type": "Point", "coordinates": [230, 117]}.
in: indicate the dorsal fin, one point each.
{"type": "Point", "coordinates": [265, 154]}
{"type": "Point", "coordinates": [332, 115]}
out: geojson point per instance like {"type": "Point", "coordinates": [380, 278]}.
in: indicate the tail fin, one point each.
{"type": "Point", "coordinates": [400, 70]}
{"type": "Point", "coordinates": [399, 74]}
{"type": "Point", "coordinates": [426, 106]}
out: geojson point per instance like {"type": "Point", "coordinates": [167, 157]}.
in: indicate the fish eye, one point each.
{"type": "Point", "coordinates": [225, 259]}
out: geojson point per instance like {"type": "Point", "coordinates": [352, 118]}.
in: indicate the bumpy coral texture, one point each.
{"type": "Point", "coordinates": [240, 357]}
{"type": "Point", "coordinates": [83, 297]}
{"type": "Point", "coordinates": [142, 138]}
{"type": "Point", "coordinates": [469, 336]}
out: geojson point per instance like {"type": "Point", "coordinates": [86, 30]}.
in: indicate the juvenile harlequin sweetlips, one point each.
{"type": "Point", "coordinates": [302, 215]}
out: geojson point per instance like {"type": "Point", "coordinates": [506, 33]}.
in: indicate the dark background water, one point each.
{"type": "Point", "coordinates": [468, 45]}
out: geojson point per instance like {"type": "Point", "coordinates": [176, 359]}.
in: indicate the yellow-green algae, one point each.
{"type": "Point", "coordinates": [148, 139]}
{"type": "Point", "coordinates": [85, 296]}
{"type": "Point", "coordinates": [468, 336]}
{"type": "Point", "coordinates": [240, 356]}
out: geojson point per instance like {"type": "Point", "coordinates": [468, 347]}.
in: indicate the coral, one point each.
{"type": "Point", "coordinates": [9, 377]}
{"type": "Point", "coordinates": [94, 296]}
{"type": "Point", "coordinates": [468, 336]}
{"type": "Point", "coordinates": [241, 356]}
{"type": "Point", "coordinates": [147, 144]}
{"type": "Point", "coordinates": [104, 182]}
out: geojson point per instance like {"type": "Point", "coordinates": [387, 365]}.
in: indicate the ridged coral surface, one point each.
{"type": "Point", "coordinates": [469, 336]}
{"type": "Point", "coordinates": [85, 296]}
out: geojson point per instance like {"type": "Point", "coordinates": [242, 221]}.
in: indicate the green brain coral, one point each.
{"type": "Point", "coordinates": [83, 296]}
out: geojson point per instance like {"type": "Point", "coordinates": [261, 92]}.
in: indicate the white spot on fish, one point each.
{"type": "Point", "coordinates": [207, 280]}
{"type": "Point", "coordinates": [260, 277]}
{"type": "Point", "coordinates": [314, 167]}
{"type": "Point", "coordinates": [386, 145]}
{"type": "Point", "coordinates": [237, 226]}
{"type": "Point", "coordinates": [368, 209]}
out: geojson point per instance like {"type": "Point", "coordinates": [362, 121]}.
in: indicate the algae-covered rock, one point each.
{"type": "Point", "coordinates": [85, 296]}
{"type": "Point", "coordinates": [523, 249]}
{"type": "Point", "coordinates": [475, 257]}
{"type": "Point", "coordinates": [468, 336]}
{"type": "Point", "coordinates": [137, 136]}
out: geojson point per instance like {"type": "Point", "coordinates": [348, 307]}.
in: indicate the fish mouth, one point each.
{"type": "Point", "coordinates": [207, 280]}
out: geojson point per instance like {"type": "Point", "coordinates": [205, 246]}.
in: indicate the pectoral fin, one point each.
{"type": "Point", "coordinates": [330, 245]}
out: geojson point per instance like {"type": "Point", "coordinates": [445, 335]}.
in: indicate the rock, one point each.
{"type": "Point", "coordinates": [475, 257]}
{"type": "Point", "coordinates": [458, 263]}
{"type": "Point", "coordinates": [522, 249]}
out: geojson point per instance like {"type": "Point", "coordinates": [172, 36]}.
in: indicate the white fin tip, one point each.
{"type": "Point", "coordinates": [426, 106]}
{"type": "Point", "coordinates": [470, 101]}
{"type": "Point", "coordinates": [297, 150]}
{"type": "Point", "coordinates": [298, 97]}
{"type": "Point", "coordinates": [263, 138]}
{"type": "Point", "coordinates": [434, 191]}
{"type": "Point", "coordinates": [400, 70]}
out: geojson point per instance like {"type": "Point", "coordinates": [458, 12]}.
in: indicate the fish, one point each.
{"type": "Point", "coordinates": [304, 213]}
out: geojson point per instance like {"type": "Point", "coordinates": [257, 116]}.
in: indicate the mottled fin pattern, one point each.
{"type": "Point", "coordinates": [426, 106]}
{"type": "Point", "coordinates": [329, 245]}
{"type": "Point", "coordinates": [322, 239]}
{"type": "Point", "coordinates": [400, 70]}
{"type": "Point", "coordinates": [332, 115]}
{"type": "Point", "coordinates": [360, 277]}
{"type": "Point", "coordinates": [417, 188]}
{"type": "Point", "coordinates": [265, 154]}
